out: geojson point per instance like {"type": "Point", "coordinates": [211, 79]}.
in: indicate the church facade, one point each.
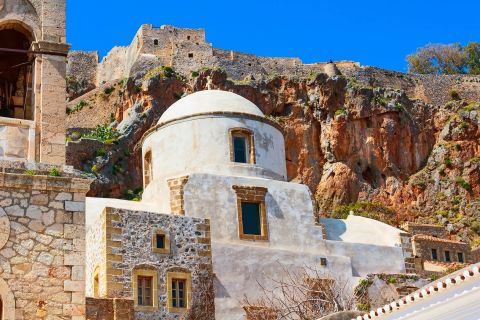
{"type": "Point", "coordinates": [215, 173]}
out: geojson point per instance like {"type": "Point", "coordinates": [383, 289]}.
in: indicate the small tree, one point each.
{"type": "Point", "coordinates": [472, 51]}
{"type": "Point", "coordinates": [438, 59]}
{"type": "Point", "coordinates": [305, 294]}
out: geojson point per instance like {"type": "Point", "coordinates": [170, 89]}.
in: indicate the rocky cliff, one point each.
{"type": "Point", "coordinates": [408, 143]}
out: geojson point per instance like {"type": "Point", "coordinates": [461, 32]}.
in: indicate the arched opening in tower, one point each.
{"type": "Point", "coordinates": [16, 73]}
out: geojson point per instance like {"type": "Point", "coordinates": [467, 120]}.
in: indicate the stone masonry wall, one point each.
{"type": "Point", "coordinates": [128, 246]}
{"type": "Point", "coordinates": [109, 309]}
{"type": "Point", "coordinates": [42, 246]}
{"type": "Point", "coordinates": [426, 229]}
{"type": "Point", "coordinates": [81, 72]}
{"type": "Point", "coordinates": [187, 50]}
{"type": "Point", "coordinates": [422, 248]}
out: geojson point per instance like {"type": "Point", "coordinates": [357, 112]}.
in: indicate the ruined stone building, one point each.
{"type": "Point", "coordinates": [185, 50]}
{"type": "Point", "coordinates": [434, 251]}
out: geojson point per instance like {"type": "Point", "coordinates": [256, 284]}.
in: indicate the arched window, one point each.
{"type": "Point", "coordinates": [155, 42]}
{"type": "Point", "coordinates": [16, 73]}
{"type": "Point", "coordinates": [242, 146]}
{"type": "Point", "coordinates": [147, 168]}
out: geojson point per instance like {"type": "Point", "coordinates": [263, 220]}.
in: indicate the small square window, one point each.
{"type": "Point", "coordinates": [190, 55]}
{"type": "Point", "coordinates": [160, 242]}
{"type": "Point", "coordinates": [188, 37]}
{"type": "Point", "coordinates": [323, 262]}
{"type": "Point", "coordinates": [460, 257]}
{"type": "Point", "coordinates": [155, 42]}
{"type": "Point", "coordinates": [434, 254]}
{"type": "Point", "coordinates": [447, 256]}
{"type": "Point", "coordinates": [251, 218]}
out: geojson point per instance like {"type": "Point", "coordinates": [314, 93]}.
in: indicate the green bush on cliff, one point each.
{"type": "Point", "coordinates": [366, 209]}
{"type": "Point", "coordinates": [162, 71]}
{"type": "Point", "coordinates": [462, 183]}
{"type": "Point", "coordinates": [104, 134]}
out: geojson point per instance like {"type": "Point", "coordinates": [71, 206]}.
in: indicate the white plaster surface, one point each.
{"type": "Point", "coordinates": [362, 230]}
{"type": "Point", "coordinates": [209, 101]}
{"type": "Point", "coordinates": [204, 147]}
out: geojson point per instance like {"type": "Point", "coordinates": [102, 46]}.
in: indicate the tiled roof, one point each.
{"type": "Point", "coordinates": [432, 238]}
{"type": "Point", "coordinates": [445, 283]}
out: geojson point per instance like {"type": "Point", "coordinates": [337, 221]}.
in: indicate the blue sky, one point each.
{"type": "Point", "coordinates": [378, 33]}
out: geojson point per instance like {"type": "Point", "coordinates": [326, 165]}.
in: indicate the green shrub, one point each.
{"type": "Point", "coordinates": [195, 74]}
{"type": "Point", "coordinates": [391, 280]}
{"type": "Point", "coordinates": [134, 195]}
{"type": "Point", "coordinates": [464, 184]}
{"type": "Point", "coordinates": [340, 112]}
{"type": "Point", "coordinates": [101, 152]}
{"type": "Point", "coordinates": [363, 307]}
{"type": "Point", "coordinates": [78, 107]}
{"type": "Point", "coordinates": [54, 172]}
{"type": "Point", "coordinates": [475, 227]}
{"type": "Point", "coordinates": [162, 71]}
{"type": "Point", "coordinates": [108, 90]}
{"type": "Point", "coordinates": [447, 161]}
{"type": "Point", "coordinates": [454, 95]}
{"type": "Point", "coordinates": [30, 172]}
{"type": "Point", "coordinates": [463, 125]}
{"type": "Point", "coordinates": [103, 133]}
{"type": "Point", "coordinates": [366, 209]}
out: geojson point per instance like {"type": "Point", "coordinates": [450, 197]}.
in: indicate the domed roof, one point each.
{"type": "Point", "coordinates": [209, 101]}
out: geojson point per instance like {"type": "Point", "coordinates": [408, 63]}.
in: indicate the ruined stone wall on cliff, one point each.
{"type": "Point", "coordinates": [82, 67]}
{"type": "Point", "coordinates": [432, 89]}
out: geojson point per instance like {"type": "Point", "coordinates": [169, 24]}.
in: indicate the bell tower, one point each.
{"type": "Point", "coordinates": [32, 80]}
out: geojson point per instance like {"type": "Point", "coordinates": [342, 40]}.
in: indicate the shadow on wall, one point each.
{"type": "Point", "coordinates": [335, 228]}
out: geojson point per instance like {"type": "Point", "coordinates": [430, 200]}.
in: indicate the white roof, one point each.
{"type": "Point", "coordinates": [209, 101]}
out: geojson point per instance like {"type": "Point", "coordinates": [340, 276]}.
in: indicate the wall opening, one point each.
{"type": "Point", "coordinates": [190, 55]}
{"type": "Point", "coordinates": [16, 73]}
{"type": "Point", "coordinates": [155, 42]}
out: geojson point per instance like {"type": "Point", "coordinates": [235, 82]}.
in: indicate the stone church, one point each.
{"type": "Point", "coordinates": [217, 207]}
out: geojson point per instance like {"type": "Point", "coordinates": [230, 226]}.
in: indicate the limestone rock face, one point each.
{"type": "Point", "coordinates": [369, 135]}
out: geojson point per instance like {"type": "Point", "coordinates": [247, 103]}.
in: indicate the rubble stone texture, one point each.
{"type": "Point", "coordinates": [42, 255]}
{"type": "Point", "coordinates": [121, 242]}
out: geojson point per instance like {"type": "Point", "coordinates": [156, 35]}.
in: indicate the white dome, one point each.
{"type": "Point", "coordinates": [209, 101]}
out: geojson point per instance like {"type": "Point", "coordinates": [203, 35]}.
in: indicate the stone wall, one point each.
{"type": "Point", "coordinates": [186, 50]}
{"type": "Point", "coordinates": [81, 72]}
{"type": "Point", "coordinates": [423, 245]}
{"type": "Point", "coordinates": [127, 246]}
{"type": "Point", "coordinates": [109, 309]}
{"type": "Point", "coordinates": [476, 255]}
{"type": "Point", "coordinates": [78, 152]}
{"type": "Point", "coordinates": [426, 229]}
{"type": "Point", "coordinates": [42, 245]}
